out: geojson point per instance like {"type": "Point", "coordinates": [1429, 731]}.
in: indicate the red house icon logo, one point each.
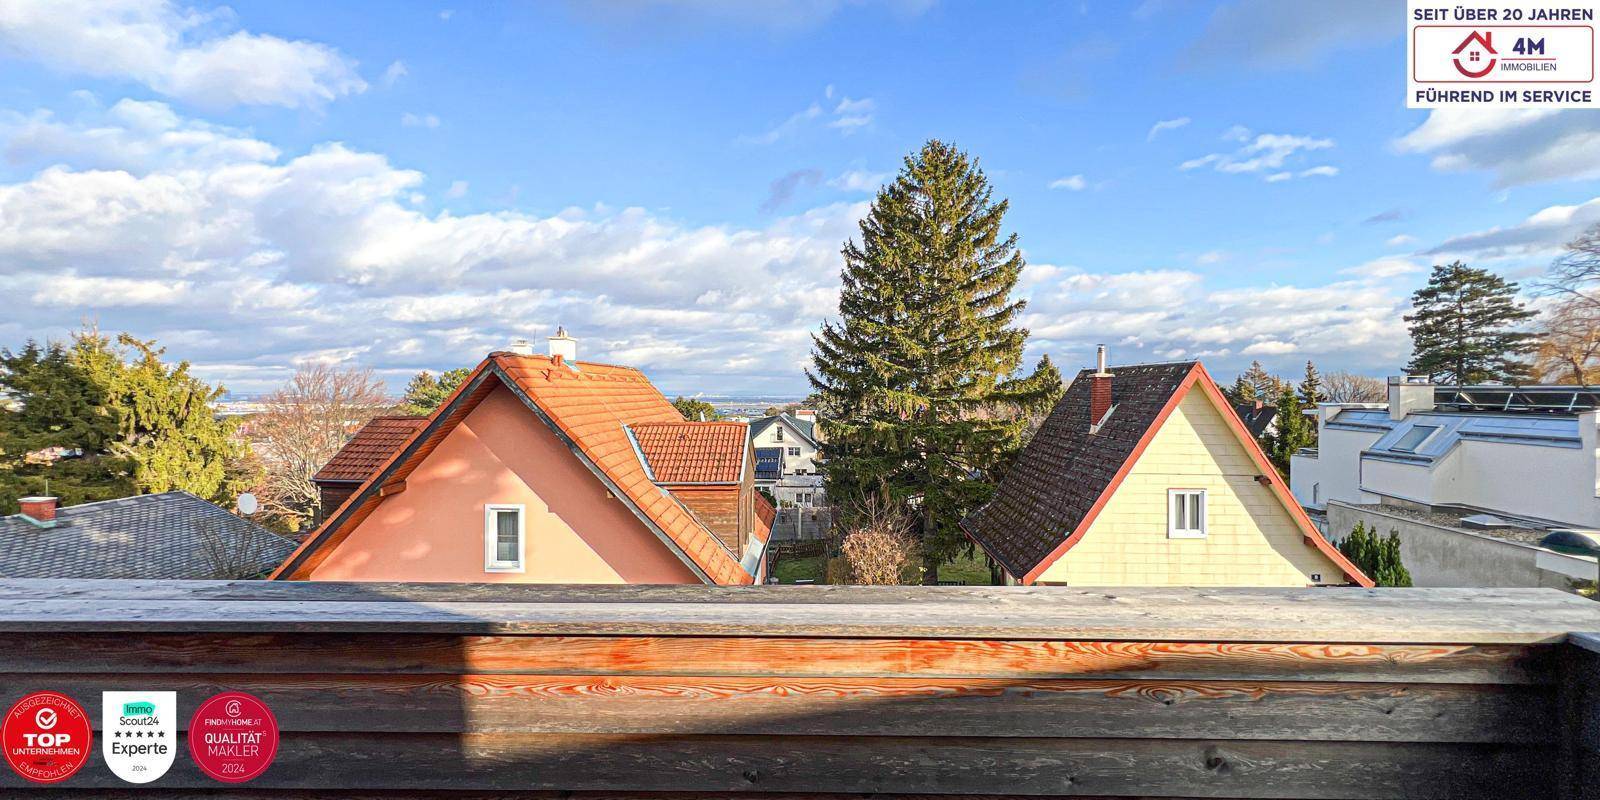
{"type": "Point", "coordinates": [1474, 56]}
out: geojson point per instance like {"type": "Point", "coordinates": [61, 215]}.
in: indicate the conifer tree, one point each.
{"type": "Point", "coordinates": [1463, 327]}
{"type": "Point", "coordinates": [1378, 558]}
{"type": "Point", "coordinates": [1311, 392]}
{"type": "Point", "coordinates": [424, 392]}
{"type": "Point", "coordinates": [921, 373]}
{"type": "Point", "coordinates": [1294, 431]}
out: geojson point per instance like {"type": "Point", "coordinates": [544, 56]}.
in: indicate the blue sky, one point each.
{"type": "Point", "coordinates": [409, 185]}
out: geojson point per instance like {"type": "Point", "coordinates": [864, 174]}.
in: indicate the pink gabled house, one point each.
{"type": "Point", "coordinates": [544, 469]}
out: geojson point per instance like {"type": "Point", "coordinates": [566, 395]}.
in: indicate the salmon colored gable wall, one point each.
{"type": "Point", "coordinates": [502, 453]}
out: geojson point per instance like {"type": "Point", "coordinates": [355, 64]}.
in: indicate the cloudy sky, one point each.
{"type": "Point", "coordinates": [410, 185]}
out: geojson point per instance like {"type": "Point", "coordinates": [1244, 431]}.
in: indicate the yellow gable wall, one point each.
{"type": "Point", "coordinates": [1251, 539]}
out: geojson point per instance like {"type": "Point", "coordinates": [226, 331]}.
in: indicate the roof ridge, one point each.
{"type": "Point", "coordinates": [134, 497]}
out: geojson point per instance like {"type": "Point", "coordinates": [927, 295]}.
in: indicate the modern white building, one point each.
{"type": "Point", "coordinates": [1447, 466]}
{"type": "Point", "coordinates": [786, 449]}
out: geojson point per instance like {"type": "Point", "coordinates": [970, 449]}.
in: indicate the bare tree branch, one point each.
{"type": "Point", "coordinates": [1348, 387]}
{"type": "Point", "coordinates": [305, 423]}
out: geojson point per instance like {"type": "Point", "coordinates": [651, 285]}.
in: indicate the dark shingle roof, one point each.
{"type": "Point", "coordinates": [807, 428]}
{"type": "Point", "coordinates": [148, 536]}
{"type": "Point", "coordinates": [1064, 469]}
{"type": "Point", "coordinates": [369, 449]}
{"type": "Point", "coordinates": [1256, 420]}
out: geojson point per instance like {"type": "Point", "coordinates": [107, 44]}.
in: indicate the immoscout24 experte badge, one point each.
{"type": "Point", "coordinates": [139, 731]}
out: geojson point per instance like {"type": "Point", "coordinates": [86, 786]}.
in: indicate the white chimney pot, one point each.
{"type": "Point", "coordinates": [563, 346]}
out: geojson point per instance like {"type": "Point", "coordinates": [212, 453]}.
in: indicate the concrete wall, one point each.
{"type": "Point", "coordinates": [1251, 538]}
{"type": "Point", "coordinates": [1337, 468]}
{"type": "Point", "coordinates": [1450, 557]}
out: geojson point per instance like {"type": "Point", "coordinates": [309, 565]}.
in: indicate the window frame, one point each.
{"type": "Point", "coordinates": [1175, 532]}
{"type": "Point", "coordinates": [491, 538]}
{"type": "Point", "coordinates": [1432, 430]}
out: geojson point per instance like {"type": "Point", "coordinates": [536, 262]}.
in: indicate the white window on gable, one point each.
{"type": "Point", "coordinates": [777, 433]}
{"type": "Point", "coordinates": [504, 545]}
{"type": "Point", "coordinates": [1186, 513]}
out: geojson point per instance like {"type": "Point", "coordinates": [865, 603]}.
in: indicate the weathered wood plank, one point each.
{"type": "Point", "coordinates": [1320, 615]}
{"type": "Point", "coordinates": [907, 765]}
{"type": "Point", "coordinates": [94, 653]}
{"type": "Point", "coordinates": [859, 706]}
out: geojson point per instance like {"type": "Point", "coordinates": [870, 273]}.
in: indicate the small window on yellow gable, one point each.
{"type": "Point", "coordinates": [1186, 513]}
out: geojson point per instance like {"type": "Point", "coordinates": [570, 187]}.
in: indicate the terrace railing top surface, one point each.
{"type": "Point", "coordinates": [1330, 615]}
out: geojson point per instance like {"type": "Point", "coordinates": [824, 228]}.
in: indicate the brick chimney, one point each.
{"type": "Point", "coordinates": [39, 510]}
{"type": "Point", "coordinates": [1099, 390]}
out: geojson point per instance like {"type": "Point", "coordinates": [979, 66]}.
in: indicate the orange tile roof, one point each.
{"type": "Point", "coordinates": [589, 406]}
{"type": "Point", "coordinates": [693, 452]}
{"type": "Point", "coordinates": [369, 449]}
{"type": "Point", "coordinates": [765, 514]}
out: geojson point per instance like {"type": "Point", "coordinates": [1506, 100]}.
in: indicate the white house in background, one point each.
{"type": "Point", "coordinates": [786, 448]}
{"type": "Point", "coordinates": [1447, 466]}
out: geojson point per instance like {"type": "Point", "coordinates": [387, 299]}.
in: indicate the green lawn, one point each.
{"type": "Point", "coordinates": [789, 570]}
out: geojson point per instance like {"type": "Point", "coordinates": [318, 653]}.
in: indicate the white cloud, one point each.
{"type": "Point", "coordinates": [1518, 145]}
{"type": "Point", "coordinates": [132, 135]}
{"type": "Point", "coordinates": [457, 189]}
{"type": "Point", "coordinates": [848, 116]}
{"type": "Point", "coordinates": [446, 14]}
{"type": "Point", "coordinates": [260, 261]}
{"type": "Point", "coordinates": [1267, 152]}
{"type": "Point", "coordinates": [1074, 183]}
{"type": "Point", "coordinates": [1386, 267]}
{"type": "Point", "coordinates": [1211, 257]}
{"type": "Point", "coordinates": [173, 51]}
{"type": "Point", "coordinates": [1165, 125]}
{"type": "Point", "coordinates": [1542, 234]}
{"type": "Point", "coordinates": [1324, 171]}
{"type": "Point", "coordinates": [395, 72]}
{"type": "Point", "coordinates": [1401, 240]}
{"type": "Point", "coordinates": [859, 180]}
{"type": "Point", "coordinates": [411, 120]}
{"type": "Point", "coordinates": [1175, 314]}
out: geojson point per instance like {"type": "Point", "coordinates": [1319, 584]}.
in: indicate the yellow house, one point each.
{"type": "Point", "coordinates": [1144, 476]}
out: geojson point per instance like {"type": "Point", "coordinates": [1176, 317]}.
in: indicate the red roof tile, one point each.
{"type": "Point", "coordinates": [369, 449]}
{"type": "Point", "coordinates": [693, 452]}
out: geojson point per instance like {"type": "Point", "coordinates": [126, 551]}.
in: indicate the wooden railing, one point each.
{"type": "Point", "coordinates": [388, 690]}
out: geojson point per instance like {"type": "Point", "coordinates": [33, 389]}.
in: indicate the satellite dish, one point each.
{"type": "Point", "coordinates": [247, 504]}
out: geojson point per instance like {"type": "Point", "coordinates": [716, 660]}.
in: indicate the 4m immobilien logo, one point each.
{"type": "Point", "coordinates": [1536, 55]}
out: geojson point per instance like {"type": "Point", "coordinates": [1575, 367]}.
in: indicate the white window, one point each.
{"type": "Point", "coordinates": [503, 538]}
{"type": "Point", "coordinates": [1413, 439]}
{"type": "Point", "coordinates": [794, 451]}
{"type": "Point", "coordinates": [777, 434]}
{"type": "Point", "coordinates": [1186, 513]}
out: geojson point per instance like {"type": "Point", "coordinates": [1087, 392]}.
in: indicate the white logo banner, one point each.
{"type": "Point", "coordinates": [139, 733]}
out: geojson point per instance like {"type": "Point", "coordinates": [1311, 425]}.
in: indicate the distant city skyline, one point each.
{"type": "Point", "coordinates": [410, 185]}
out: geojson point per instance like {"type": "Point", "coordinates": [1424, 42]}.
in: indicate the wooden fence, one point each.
{"type": "Point", "coordinates": [677, 692]}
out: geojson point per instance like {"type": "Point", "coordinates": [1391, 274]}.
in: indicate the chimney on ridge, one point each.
{"type": "Point", "coordinates": [521, 347]}
{"type": "Point", "coordinates": [1099, 390]}
{"type": "Point", "coordinates": [563, 348]}
{"type": "Point", "coordinates": [40, 511]}
{"type": "Point", "coordinates": [1409, 393]}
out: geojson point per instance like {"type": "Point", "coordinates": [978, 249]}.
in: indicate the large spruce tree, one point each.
{"type": "Point", "coordinates": [922, 374]}
{"type": "Point", "coordinates": [1463, 328]}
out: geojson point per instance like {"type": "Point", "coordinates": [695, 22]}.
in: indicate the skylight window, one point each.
{"type": "Point", "coordinates": [1414, 438]}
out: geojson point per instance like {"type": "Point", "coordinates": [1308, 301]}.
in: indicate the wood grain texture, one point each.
{"type": "Point", "coordinates": [760, 656]}
{"type": "Point", "coordinates": [1328, 615]}
{"type": "Point", "coordinates": [890, 764]}
{"type": "Point", "coordinates": [860, 707]}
